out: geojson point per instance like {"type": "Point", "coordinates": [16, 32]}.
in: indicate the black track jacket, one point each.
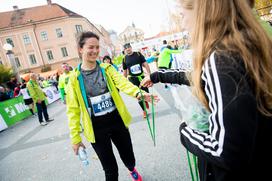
{"type": "Point", "coordinates": [239, 141]}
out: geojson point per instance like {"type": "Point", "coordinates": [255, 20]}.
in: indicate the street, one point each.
{"type": "Point", "coordinates": [29, 151]}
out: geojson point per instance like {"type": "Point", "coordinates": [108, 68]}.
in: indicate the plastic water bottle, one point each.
{"type": "Point", "coordinates": [83, 157]}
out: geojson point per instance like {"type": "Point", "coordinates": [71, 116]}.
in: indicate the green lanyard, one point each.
{"type": "Point", "coordinates": [151, 130]}
{"type": "Point", "coordinates": [194, 174]}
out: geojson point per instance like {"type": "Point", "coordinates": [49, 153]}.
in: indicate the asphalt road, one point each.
{"type": "Point", "coordinates": [29, 151]}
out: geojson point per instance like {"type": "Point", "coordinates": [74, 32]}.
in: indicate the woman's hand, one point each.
{"type": "Point", "coordinates": [76, 147]}
{"type": "Point", "coordinates": [146, 82]}
{"type": "Point", "coordinates": [148, 97]}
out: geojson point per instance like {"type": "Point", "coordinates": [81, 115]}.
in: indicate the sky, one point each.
{"type": "Point", "coordinates": [151, 16]}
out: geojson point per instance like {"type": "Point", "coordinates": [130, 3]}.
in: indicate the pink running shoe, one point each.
{"type": "Point", "coordinates": [135, 175]}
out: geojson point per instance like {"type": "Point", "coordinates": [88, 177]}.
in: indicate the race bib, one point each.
{"type": "Point", "coordinates": [102, 104]}
{"type": "Point", "coordinates": [136, 69]}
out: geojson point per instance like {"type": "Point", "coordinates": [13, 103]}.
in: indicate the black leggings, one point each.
{"type": "Point", "coordinates": [42, 111]}
{"type": "Point", "coordinates": [135, 81]}
{"type": "Point", "coordinates": [107, 129]}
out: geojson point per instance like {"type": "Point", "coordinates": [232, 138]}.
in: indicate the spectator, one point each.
{"type": "Point", "coordinates": [17, 90]}
{"type": "Point", "coordinates": [3, 95]}
{"type": "Point", "coordinates": [27, 99]}
{"type": "Point", "coordinates": [63, 81]}
{"type": "Point", "coordinates": [12, 83]}
{"type": "Point", "coordinates": [107, 59]}
{"type": "Point", "coordinates": [38, 97]}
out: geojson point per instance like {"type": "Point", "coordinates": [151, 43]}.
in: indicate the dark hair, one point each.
{"type": "Point", "coordinates": [81, 39]}
{"type": "Point", "coordinates": [169, 47]}
{"type": "Point", "coordinates": [164, 42]}
{"type": "Point", "coordinates": [127, 45]}
{"type": "Point", "coordinates": [107, 57]}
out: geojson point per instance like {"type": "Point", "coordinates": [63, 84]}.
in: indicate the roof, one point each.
{"type": "Point", "coordinates": [34, 14]}
{"type": "Point", "coordinates": [160, 34]}
{"type": "Point", "coordinates": [26, 76]}
{"type": "Point", "coordinates": [129, 29]}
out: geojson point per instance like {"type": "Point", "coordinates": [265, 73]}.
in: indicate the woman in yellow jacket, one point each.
{"type": "Point", "coordinates": [92, 95]}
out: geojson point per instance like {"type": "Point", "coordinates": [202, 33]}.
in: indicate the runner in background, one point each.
{"type": "Point", "coordinates": [133, 64]}
{"type": "Point", "coordinates": [164, 60]}
{"type": "Point", "coordinates": [63, 81]}
{"type": "Point", "coordinates": [107, 59]}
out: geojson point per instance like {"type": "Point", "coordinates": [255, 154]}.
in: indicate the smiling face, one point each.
{"type": "Point", "coordinates": [90, 50]}
{"type": "Point", "coordinates": [107, 61]}
{"type": "Point", "coordinates": [128, 49]}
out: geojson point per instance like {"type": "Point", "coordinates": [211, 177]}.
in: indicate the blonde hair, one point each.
{"type": "Point", "coordinates": [229, 25]}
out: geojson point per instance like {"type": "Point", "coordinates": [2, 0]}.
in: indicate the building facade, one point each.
{"type": "Point", "coordinates": [131, 35]}
{"type": "Point", "coordinates": [43, 37]}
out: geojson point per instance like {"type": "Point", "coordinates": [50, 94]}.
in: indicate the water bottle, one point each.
{"type": "Point", "coordinates": [82, 155]}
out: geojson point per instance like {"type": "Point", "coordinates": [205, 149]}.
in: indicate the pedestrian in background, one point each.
{"type": "Point", "coordinates": [27, 99]}
{"type": "Point", "coordinates": [38, 96]}
{"type": "Point", "coordinates": [107, 59]}
{"type": "Point", "coordinates": [133, 64]}
{"type": "Point", "coordinates": [63, 81]}
{"type": "Point", "coordinates": [92, 96]}
{"type": "Point", "coordinates": [232, 77]}
{"type": "Point", "coordinates": [3, 95]}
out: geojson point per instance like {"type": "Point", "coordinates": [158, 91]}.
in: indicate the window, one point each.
{"type": "Point", "coordinates": [49, 55]}
{"type": "Point", "coordinates": [44, 35]}
{"type": "Point", "coordinates": [26, 39]}
{"type": "Point", "coordinates": [59, 33]}
{"type": "Point", "coordinates": [17, 62]}
{"type": "Point", "coordinates": [79, 28]}
{"type": "Point", "coordinates": [64, 52]}
{"type": "Point", "coordinates": [32, 59]}
{"type": "Point", "coordinates": [9, 41]}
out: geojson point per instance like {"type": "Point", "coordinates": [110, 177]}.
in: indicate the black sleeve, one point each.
{"type": "Point", "coordinates": [124, 64]}
{"type": "Point", "coordinates": [174, 76]}
{"type": "Point", "coordinates": [230, 141]}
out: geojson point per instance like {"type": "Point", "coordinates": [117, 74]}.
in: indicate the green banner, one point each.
{"type": "Point", "coordinates": [14, 110]}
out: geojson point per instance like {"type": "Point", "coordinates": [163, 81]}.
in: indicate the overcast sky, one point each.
{"type": "Point", "coordinates": [149, 15]}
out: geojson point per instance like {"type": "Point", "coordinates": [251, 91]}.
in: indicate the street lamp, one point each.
{"type": "Point", "coordinates": [11, 58]}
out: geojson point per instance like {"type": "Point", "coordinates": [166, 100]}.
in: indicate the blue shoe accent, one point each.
{"type": "Point", "coordinates": [134, 175]}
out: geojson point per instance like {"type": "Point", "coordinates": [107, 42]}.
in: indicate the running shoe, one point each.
{"type": "Point", "coordinates": [135, 175]}
{"type": "Point", "coordinates": [144, 114]}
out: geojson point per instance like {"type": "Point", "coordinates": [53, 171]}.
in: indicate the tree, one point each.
{"type": "Point", "coordinates": [5, 74]}
{"type": "Point", "coordinates": [263, 7]}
